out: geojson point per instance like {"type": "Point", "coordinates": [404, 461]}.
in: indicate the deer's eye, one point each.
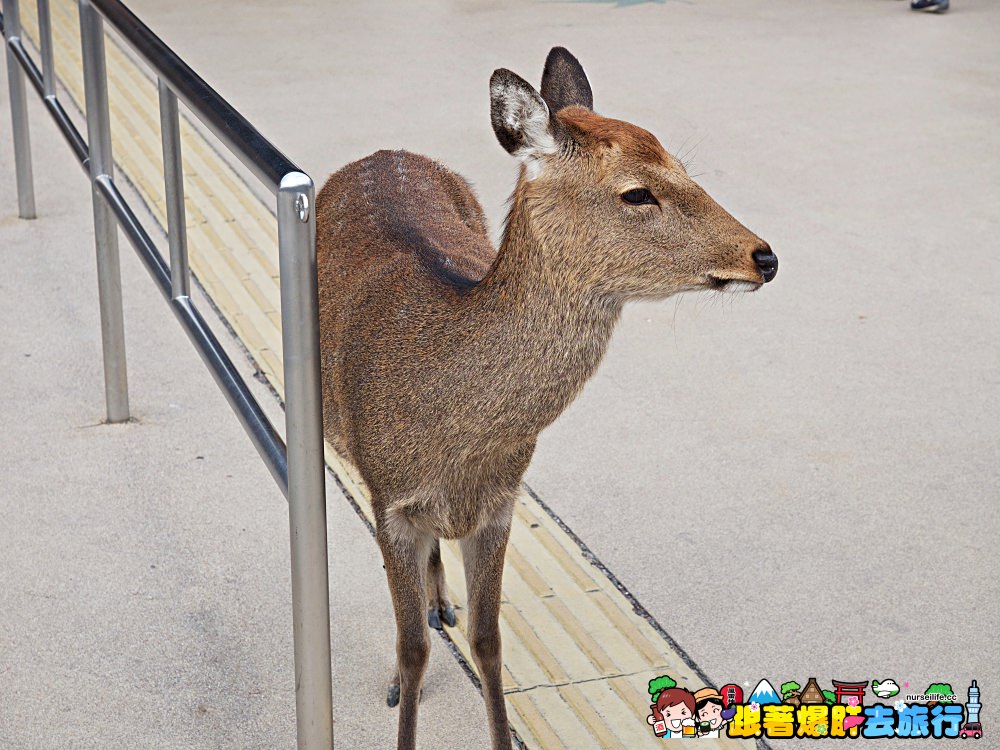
{"type": "Point", "coordinates": [638, 197]}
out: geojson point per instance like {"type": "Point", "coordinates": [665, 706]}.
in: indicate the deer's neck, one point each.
{"type": "Point", "coordinates": [539, 335]}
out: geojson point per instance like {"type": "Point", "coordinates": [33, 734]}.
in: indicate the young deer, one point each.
{"type": "Point", "coordinates": [443, 358]}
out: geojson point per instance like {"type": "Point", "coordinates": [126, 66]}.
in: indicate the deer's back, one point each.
{"type": "Point", "coordinates": [399, 239]}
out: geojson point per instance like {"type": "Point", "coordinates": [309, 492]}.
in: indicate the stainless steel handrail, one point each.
{"type": "Point", "coordinates": [297, 466]}
{"type": "Point", "coordinates": [232, 128]}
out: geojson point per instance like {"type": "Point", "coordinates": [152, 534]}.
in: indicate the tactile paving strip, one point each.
{"type": "Point", "coordinates": [577, 656]}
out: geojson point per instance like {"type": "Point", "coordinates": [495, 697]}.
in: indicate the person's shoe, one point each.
{"type": "Point", "coordinates": [931, 6]}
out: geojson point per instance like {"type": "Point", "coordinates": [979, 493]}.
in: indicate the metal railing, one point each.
{"type": "Point", "coordinates": [298, 468]}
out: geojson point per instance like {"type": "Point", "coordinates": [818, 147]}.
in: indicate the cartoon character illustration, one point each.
{"type": "Point", "coordinates": [711, 713]}
{"type": "Point", "coordinates": [673, 713]}
{"type": "Point", "coordinates": [885, 689]}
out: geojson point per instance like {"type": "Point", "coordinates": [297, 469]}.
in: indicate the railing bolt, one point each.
{"type": "Point", "coordinates": [302, 206]}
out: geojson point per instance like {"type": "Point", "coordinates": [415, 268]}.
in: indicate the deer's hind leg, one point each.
{"type": "Point", "coordinates": [439, 606]}
{"type": "Point", "coordinates": [405, 552]}
{"type": "Point", "coordinates": [483, 554]}
{"type": "Point", "coordinates": [439, 609]}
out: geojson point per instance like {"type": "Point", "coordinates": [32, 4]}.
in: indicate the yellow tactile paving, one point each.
{"type": "Point", "coordinates": [577, 658]}
{"type": "Point", "coordinates": [540, 732]}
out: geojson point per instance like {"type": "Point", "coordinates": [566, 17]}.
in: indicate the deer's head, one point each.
{"type": "Point", "coordinates": [617, 211]}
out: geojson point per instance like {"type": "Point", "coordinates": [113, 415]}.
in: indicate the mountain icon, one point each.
{"type": "Point", "coordinates": [764, 694]}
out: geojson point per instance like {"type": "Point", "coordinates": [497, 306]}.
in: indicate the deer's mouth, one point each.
{"type": "Point", "coordinates": [732, 286]}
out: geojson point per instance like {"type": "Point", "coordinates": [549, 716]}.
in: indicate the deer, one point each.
{"type": "Point", "coordinates": [443, 357]}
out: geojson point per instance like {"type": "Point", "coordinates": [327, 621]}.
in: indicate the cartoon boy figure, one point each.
{"type": "Point", "coordinates": [673, 711]}
{"type": "Point", "coordinates": [711, 713]}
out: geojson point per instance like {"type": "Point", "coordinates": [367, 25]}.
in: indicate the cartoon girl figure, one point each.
{"type": "Point", "coordinates": [712, 715]}
{"type": "Point", "coordinates": [673, 713]}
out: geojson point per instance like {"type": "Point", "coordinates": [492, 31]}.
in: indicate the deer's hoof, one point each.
{"type": "Point", "coordinates": [448, 615]}
{"type": "Point", "coordinates": [433, 619]}
{"type": "Point", "coordinates": [392, 699]}
{"type": "Point", "coordinates": [437, 615]}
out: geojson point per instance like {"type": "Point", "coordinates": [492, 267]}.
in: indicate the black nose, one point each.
{"type": "Point", "coordinates": [767, 262]}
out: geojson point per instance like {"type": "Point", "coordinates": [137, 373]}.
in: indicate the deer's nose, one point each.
{"type": "Point", "coordinates": [767, 262]}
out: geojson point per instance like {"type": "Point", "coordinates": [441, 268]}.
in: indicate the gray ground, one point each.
{"type": "Point", "coordinates": [797, 483]}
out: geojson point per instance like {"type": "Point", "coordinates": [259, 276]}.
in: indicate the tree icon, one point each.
{"type": "Point", "coordinates": [659, 684]}
{"type": "Point", "coordinates": [788, 688]}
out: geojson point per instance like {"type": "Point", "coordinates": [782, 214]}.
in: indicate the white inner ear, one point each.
{"type": "Point", "coordinates": [530, 115]}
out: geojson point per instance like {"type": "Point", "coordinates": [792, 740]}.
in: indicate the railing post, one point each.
{"type": "Point", "coordinates": [306, 478]}
{"type": "Point", "coordinates": [109, 282]}
{"type": "Point", "coordinates": [19, 115]}
{"type": "Point", "coordinates": [45, 40]}
{"type": "Point", "coordinates": [173, 178]}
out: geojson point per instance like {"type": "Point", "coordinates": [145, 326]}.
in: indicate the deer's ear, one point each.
{"type": "Point", "coordinates": [564, 83]}
{"type": "Point", "coordinates": [520, 118]}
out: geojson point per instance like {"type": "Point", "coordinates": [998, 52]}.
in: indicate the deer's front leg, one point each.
{"type": "Point", "coordinates": [439, 606]}
{"type": "Point", "coordinates": [483, 555]}
{"type": "Point", "coordinates": [405, 552]}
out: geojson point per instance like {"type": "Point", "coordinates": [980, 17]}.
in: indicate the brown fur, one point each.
{"type": "Point", "coordinates": [444, 358]}
{"type": "Point", "coordinates": [594, 131]}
